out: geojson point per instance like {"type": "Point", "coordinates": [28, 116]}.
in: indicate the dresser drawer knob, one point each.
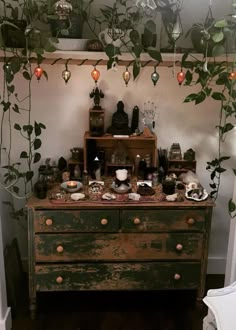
{"type": "Point", "coordinates": [49, 222]}
{"type": "Point", "coordinates": [137, 221]}
{"type": "Point", "coordinates": [191, 221]}
{"type": "Point", "coordinates": [59, 279]}
{"type": "Point", "coordinates": [177, 277]}
{"type": "Point", "coordinates": [104, 222]}
{"type": "Point", "coordinates": [179, 247]}
{"type": "Point", "coordinates": [60, 249]}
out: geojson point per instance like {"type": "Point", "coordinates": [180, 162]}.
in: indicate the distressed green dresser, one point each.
{"type": "Point", "coordinates": [117, 246]}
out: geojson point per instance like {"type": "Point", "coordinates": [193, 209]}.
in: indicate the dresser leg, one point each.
{"type": "Point", "coordinates": [33, 308]}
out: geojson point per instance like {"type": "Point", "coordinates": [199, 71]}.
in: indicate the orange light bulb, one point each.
{"type": "Point", "coordinates": [180, 77]}
{"type": "Point", "coordinates": [126, 76]}
{"type": "Point", "coordinates": [232, 75]}
{"type": "Point", "coordinates": [95, 74]}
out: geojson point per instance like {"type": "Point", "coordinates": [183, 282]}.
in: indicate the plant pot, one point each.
{"type": "Point", "coordinates": [13, 37]}
{"type": "Point", "coordinates": [72, 28]}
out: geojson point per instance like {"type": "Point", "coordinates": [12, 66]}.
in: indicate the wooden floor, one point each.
{"type": "Point", "coordinates": [115, 311]}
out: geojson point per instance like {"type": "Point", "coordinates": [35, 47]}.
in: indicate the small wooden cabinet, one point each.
{"type": "Point", "coordinates": [118, 246]}
{"type": "Point", "coordinates": [136, 145]}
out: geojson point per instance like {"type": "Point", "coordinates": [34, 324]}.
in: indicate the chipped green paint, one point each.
{"type": "Point", "coordinates": [81, 221]}
{"type": "Point", "coordinates": [162, 220]}
{"type": "Point", "coordinates": [118, 276]}
{"type": "Point", "coordinates": [127, 246]}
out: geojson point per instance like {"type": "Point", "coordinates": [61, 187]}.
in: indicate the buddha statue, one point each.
{"type": "Point", "coordinates": [120, 122]}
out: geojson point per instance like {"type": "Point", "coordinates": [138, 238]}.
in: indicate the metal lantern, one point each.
{"type": "Point", "coordinates": [180, 77]}
{"type": "Point", "coordinates": [63, 9]}
{"type": "Point", "coordinates": [66, 74]}
{"type": "Point", "coordinates": [126, 76]}
{"type": "Point", "coordinates": [38, 71]}
{"type": "Point", "coordinates": [155, 77]}
{"type": "Point", "coordinates": [95, 74]}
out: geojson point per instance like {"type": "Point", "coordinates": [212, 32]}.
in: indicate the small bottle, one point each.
{"type": "Point", "coordinates": [85, 178]}
{"type": "Point", "coordinates": [41, 188]}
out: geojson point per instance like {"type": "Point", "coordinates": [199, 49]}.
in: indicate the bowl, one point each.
{"type": "Point", "coordinates": [64, 185]}
{"type": "Point", "coordinates": [70, 44]}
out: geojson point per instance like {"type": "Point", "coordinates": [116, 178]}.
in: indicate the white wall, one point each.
{"type": "Point", "coordinates": [64, 110]}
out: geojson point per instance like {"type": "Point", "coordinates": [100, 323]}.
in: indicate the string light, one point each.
{"type": "Point", "coordinates": [95, 74]}
{"type": "Point", "coordinates": [66, 74]}
{"type": "Point", "coordinates": [38, 71]}
{"type": "Point", "coordinates": [155, 76]}
{"type": "Point", "coordinates": [126, 76]}
{"type": "Point", "coordinates": [63, 9]}
{"type": "Point", "coordinates": [180, 77]}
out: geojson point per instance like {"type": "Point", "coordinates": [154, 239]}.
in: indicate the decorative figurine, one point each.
{"type": "Point", "coordinates": [96, 94]}
{"type": "Point", "coordinates": [120, 121]}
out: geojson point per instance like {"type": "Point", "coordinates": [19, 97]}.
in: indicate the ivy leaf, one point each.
{"type": "Point", "coordinates": [200, 97]}
{"type": "Point", "coordinates": [37, 157]}
{"type": "Point", "coordinates": [221, 23]}
{"type": "Point", "coordinates": [218, 50]}
{"type": "Point", "coordinates": [218, 37]}
{"type": "Point", "coordinates": [188, 77]}
{"type": "Point", "coordinates": [16, 108]}
{"type": "Point", "coordinates": [227, 127]}
{"type": "Point", "coordinates": [23, 154]}
{"type": "Point", "coordinates": [6, 105]}
{"type": "Point", "coordinates": [218, 96]}
{"type": "Point", "coordinates": [37, 129]}
{"type": "Point", "coordinates": [15, 64]}
{"type": "Point", "coordinates": [223, 158]}
{"type": "Point", "coordinates": [26, 75]}
{"type": "Point", "coordinates": [17, 127]}
{"type": "Point", "coordinates": [137, 49]}
{"type": "Point", "coordinates": [11, 89]}
{"type": "Point", "coordinates": [28, 129]}
{"type": "Point", "coordinates": [29, 175]}
{"type": "Point", "coordinates": [42, 125]}
{"type": "Point", "coordinates": [45, 74]}
{"type": "Point", "coordinates": [37, 144]}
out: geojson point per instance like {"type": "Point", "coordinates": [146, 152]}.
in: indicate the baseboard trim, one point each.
{"type": "Point", "coordinates": [216, 265]}
{"type": "Point", "coordinates": [6, 322]}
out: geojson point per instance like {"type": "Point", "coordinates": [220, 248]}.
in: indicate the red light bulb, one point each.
{"type": "Point", "coordinates": [95, 74]}
{"type": "Point", "coordinates": [180, 77]}
{"type": "Point", "coordinates": [38, 72]}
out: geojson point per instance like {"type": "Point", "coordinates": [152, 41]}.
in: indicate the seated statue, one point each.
{"type": "Point", "coordinates": [120, 121]}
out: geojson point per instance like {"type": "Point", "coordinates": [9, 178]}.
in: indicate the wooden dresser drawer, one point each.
{"type": "Point", "coordinates": [121, 247]}
{"type": "Point", "coordinates": [162, 220]}
{"type": "Point", "coordinates": [117, 276]}
{"type": "Point", "coordinates": [76, 220]}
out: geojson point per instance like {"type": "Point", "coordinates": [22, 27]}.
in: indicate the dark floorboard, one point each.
{"type": "Point", "coordinates": [115, 310]}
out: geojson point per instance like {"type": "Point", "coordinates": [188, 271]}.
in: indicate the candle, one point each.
{"type": "Point", "coordinates": [136, 164]}
{"type": "Point", "coordinates": [71, 184]}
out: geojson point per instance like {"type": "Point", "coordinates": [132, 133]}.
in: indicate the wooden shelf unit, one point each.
{"type": "Point", "coordinates": [179, 166]}
{"type": "Point", "coordinates": [136, 145]}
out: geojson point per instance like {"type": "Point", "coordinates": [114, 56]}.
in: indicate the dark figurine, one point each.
{"type": "Point", "coordinates": [96, 94]}
{"type": "Point", "coordinates": [135, 119]}
{"type": "Point", "coordinates": [120, 121]}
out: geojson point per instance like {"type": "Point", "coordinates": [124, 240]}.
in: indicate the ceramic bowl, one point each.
{"type": "Point", "coordinates": [77, 196]}
{"type": "Point", "coordinates": [71, 190]}
{"type": "Point", "coordinates": [70, 44]}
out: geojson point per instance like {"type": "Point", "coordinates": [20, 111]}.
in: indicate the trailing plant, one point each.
{"type": "Point", "coordinates": [216, 80]}
{"type": "Point", "coordinates": [18, 171]}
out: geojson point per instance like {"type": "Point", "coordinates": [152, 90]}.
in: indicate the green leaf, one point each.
{"type": "Point", "coordinates": [188, 77]}
{"type": "Point", "coordinates": [26, 75]}
{"type": "Point", "coordinates": [42, 125]}
{"type": "Point", "coordinates": [137, 49]}
{"type": "Point", "coordinates": [6, 105]}
{"type": "Point", "coordinates": [45, 74]}
{"type": "Point", "coordinates": [16, 189]}
{"type": "Point", "coordinates": [11, 89]}
{"type": "Point", "coordinates": [223, 158]}
{"type": "Point", "coordinates": [37, 144]}
{"type": "Point", "coordinates": [221, 23]}
{"type": "Point", "coordinates": [134, 37]}
{"type": "Point", "coordinates": [111, 50]}
{"type": "Point", "coordinates": [218, 37]}
{"type": "Point", "coordinates": [220, 169]}
{"type": "Point", "coordinates": [227, 127]}
{"type": "Point", "coordinates": [231, 206]}
{"type": "Point", "coordinates": [151, 26]}
{"type": "Point", "coordinates": [218, 50]}
{"type": "Point", "coordinates": [28, 129]}
{"type": "Point", "coordinates": [155, 54]}
{"type": "Point", "coordinates": [29, 175]}
{"type": "Point", "coordinates": [23, 154]}
{"type": "Point", "coordinates": [218, 96]}
{"type": "Point", "coordinates": [191, 97]}
{"type": "Point", "coordinates": [15, 64]}
{"type": "Point", "coordinates": [37, 129]}
{"type": "Point", "coordinates": [37, 157]}
{"type": "Point", "coordinates": [17, 127]}
{"type": "Point", "coordinates": [136, 70]}
{"type": "Point", "coordinates": [16, 108]}
{"type": "Point", "coordinates": [200, 97]}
